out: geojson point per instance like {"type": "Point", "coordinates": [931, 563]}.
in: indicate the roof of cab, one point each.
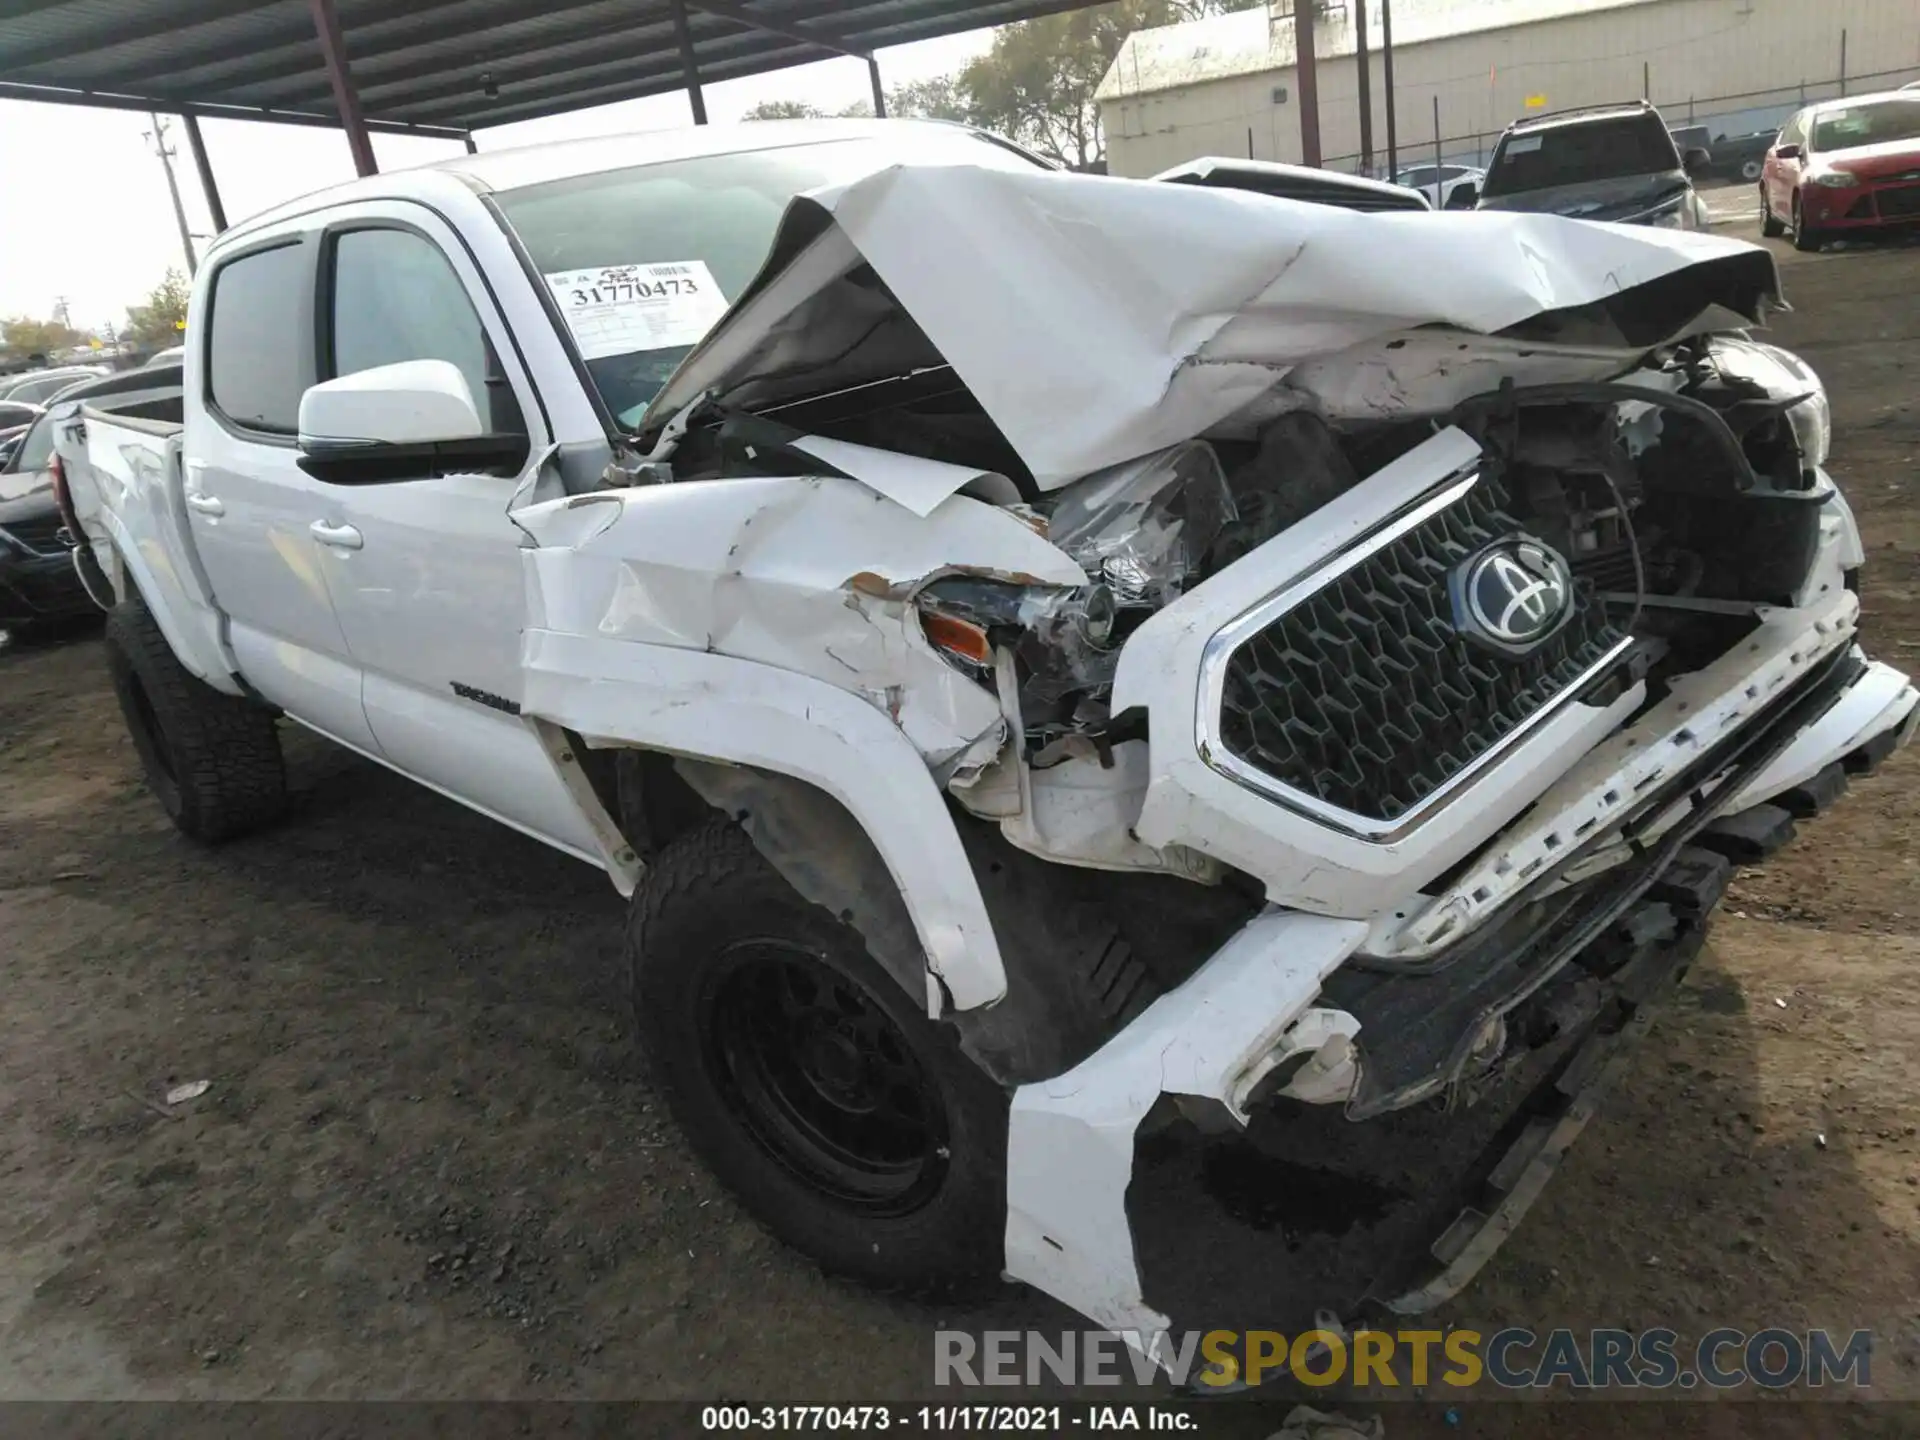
{"type": "Point", "coordinates": [510, 169]}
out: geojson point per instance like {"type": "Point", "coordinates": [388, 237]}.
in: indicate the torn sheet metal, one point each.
{"type": "Point", "coordinates": [809, 574]}
{"type": "Point", "coordinates": [908, 480]}
{"type": "Point", "coordinates": [1096, 320]}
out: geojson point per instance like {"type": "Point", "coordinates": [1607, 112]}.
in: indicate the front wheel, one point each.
{"type": "Point", "coordinates": [808, 1080]}
{"type": "Point", "coordinates": [1803, 237]}
{"type": "Point", "coordinates": [1769, 227]}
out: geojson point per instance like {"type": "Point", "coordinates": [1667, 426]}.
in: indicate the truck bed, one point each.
{"type": "Point", "coordinates": [121, 454]}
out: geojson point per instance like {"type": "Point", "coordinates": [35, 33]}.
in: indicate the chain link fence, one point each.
{"type": "Point", "coordinates": [1746, 116]}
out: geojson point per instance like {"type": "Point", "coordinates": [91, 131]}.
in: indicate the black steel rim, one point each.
{"type": "Point", "coordinates": [822, 1079]}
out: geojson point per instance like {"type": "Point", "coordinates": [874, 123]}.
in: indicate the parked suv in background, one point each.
{"type": "Point", "coordinates": [1842, 167]}
{"type": "Point", "coordinates": [1605, 162]}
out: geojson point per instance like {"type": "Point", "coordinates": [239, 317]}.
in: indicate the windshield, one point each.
{"type": "Point", "coordinates": [1576, 154]}
{"type": "Point", "coordinates": [1871, 124]}
{"type": "Point", "coordinates": [642, 262]}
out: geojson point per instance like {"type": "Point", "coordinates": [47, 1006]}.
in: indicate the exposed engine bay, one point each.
{"type": "Point", "coordinates": [1679, 499]}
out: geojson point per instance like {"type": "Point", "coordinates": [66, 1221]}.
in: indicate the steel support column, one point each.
{"type": "Point", "coordinates": [1386, 69]}
{"type": "Point", "coordinates": [215, 210]}
{"type": "Point", "coordinates": [1308, 81]}
{"type": "Point", "coordinates": [879, 90]}
{"type": "Point", "coordinates": [689, 67]}
{"type": "Point", "coordinates": [1363, 71]}
{"type": "Point", "coordinates": [333, 50]}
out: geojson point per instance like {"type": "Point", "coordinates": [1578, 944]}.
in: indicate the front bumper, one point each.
{"type": "Point", "coordinates": [1867, 207]}
{"type": "Point", "coordinates": [1278, 1020]}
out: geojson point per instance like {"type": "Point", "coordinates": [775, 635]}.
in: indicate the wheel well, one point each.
{"type": "Point", "coordinates": [646, 796]}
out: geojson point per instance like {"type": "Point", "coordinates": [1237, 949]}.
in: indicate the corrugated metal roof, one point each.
{"type": "Point", "coordinates": [1248, 42]}
{"type": "Point", "coordinates": [445, 64]}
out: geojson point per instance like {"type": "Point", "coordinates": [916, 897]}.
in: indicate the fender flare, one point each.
{"type": "Point", "coordinates": [710, 707]}
{"type": "Point", "coordinates": [195, 632]}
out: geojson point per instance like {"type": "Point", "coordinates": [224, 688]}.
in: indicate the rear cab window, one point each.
{"type": "Point", "coordinates": [1605, 148]}
{"type": "Point", "coordinates": [259, 310]}
{"type": "Point", "coordinates": [392, 296]}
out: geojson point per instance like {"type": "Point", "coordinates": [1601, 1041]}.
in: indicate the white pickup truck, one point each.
{"type": "Point", "coordinates": [1052, 660]}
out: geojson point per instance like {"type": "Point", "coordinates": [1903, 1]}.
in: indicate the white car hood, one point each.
{"type": "Point", "coordinates": [1096, 320]}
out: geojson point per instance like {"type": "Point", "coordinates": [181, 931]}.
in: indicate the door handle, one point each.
{"type": "Point", "coordinates": [341, 537]}
{"type": "Point", "coordinates": [205, 504]}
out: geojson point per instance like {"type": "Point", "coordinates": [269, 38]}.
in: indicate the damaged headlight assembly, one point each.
{"type": "Point", "coordinates": [1065, 637]}
{"type": "Point", "coordinates": [1141, 531]}
{"type": "Point", "coordinates": [1784, 376]}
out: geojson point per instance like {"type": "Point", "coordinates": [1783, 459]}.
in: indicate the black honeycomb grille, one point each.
{"type": "Point", "coordinates": [1364, 696]}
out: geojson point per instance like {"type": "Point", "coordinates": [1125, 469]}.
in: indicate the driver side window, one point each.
{"type": "Point", "coordinates": [396, 298]}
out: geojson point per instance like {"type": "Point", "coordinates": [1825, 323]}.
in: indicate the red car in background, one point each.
{"type": "Point", "coordinates": [1843, 167]}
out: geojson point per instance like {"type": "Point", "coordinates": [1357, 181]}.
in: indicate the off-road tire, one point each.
{"type": "Point", "coordinates": [212, 760]}
{"type": "Point", "coordinates": [710, 892]}
{"type": "Point", "coordinates": [1771, 228]}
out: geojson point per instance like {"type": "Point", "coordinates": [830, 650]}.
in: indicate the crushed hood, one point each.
{"type": "Point", "coordinates": [1096, 320]}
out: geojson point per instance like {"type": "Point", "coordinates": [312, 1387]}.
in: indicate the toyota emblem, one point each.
{"type": "Point", "coordinates": [1514, 594]}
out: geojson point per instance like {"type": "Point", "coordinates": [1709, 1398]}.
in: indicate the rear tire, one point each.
{"type": "Point", "coordinates": [212, 760]}
{"type": "Point", "coordinates": [1769, 227]}
{"type": "Point", "coordinates": [808, 1080]}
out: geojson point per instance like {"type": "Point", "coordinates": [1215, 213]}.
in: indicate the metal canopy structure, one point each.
{"type": "Point", "coordinates": [439, 67]}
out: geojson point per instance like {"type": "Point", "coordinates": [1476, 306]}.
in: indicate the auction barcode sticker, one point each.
{"type": "Point", "coordinates": [625, 309]}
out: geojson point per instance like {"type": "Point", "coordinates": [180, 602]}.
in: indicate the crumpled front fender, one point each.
{"type": "Point", "coordinates": [686, 702]}
{"type": "Point", "coordinates": [768, 621]}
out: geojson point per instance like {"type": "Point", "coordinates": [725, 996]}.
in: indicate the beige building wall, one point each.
{"type": "Point", "coordinates": [1737, 64]}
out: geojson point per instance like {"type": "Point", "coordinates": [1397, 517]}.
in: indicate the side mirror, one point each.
{"type": "Point", "coordinates": [1788, 151]}
{"type": "Point", "coordinates": [1697, 161]}
{"type": "Point", "coordinates": [407, 421]}
{"type": "Point", "coordinates": [1464, 197]}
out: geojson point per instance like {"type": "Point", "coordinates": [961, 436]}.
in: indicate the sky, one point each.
{"type": "Point", "coordinates": [88, 218]}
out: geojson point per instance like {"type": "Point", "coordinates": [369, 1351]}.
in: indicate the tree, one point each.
{"type": "Point", "coordinates": [783, 110]}
{"type": "Point", "coordinates": [1036, 83]}
{"type": "Point", "coordinates": [23, 337]}
{"type": "Point", "coordinates": [158, 323]}
{"type": "Point", "coordinates": [934, 99]}
{"type": "Point", "coordinates": [939, 98]}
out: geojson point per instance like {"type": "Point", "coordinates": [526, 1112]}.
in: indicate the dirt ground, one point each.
{"type": "Point", "coordinates": [428, 1163]}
